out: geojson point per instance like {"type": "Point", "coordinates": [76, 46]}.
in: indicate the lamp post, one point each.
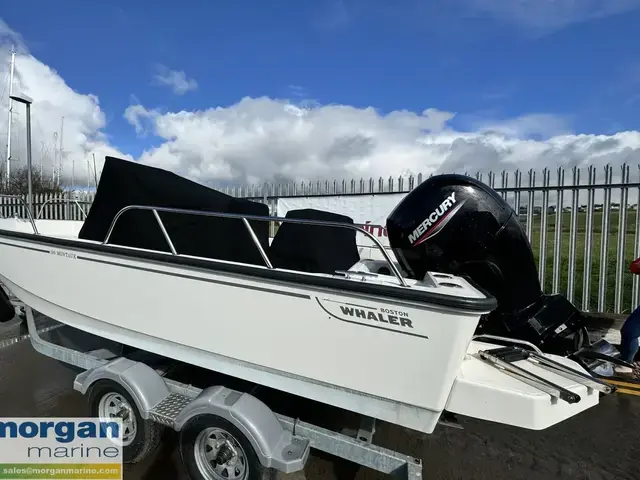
{"type": "Point", "coordinates": [27, 101]}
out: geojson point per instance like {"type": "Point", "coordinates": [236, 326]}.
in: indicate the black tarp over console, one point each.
{"type": "Point", "coordinates": [124, 183]}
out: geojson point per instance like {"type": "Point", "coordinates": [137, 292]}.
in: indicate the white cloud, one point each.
{"type": "Point", "coordinates": [533, 125]}
{"type": "Point", "coordinates": [53, 100]}
{"type": "Point", "coordinates": [261, 139]}
{"type": "Point", "coordinates": [265, 139]}
{"type": "Point", "coordinates": [176, 80]}
{"type": "Point", "coordinates": [9, 36]}
{"type": "Point", "coordinates": [549, 14]}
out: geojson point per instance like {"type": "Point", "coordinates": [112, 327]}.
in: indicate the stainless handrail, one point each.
{"type": "Point", "coordinates": [256, 242]}
{"type": "Point", "coordinates": [246, 219]}
{"type": "Point", "coordinates": [507, 339]}
{"type": "Point", "coordinates": [530, 378]}
{"type": "Point", "coordinates": [27, 209]}
{"type": "Point", "coordinates": [61, 200]}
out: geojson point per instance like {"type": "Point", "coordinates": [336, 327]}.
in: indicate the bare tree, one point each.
{"type": "Point", "coordinates": [19, 185]}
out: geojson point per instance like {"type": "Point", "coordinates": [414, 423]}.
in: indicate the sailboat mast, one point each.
{"type": "Point", "coordinates": [12, 69]}
{"type": "Point", "coordinates": [61, 157]}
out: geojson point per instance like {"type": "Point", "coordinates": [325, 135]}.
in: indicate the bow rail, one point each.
{"type": "Point", "coordinates": [26, 208]}
{"type": "Point", "coordinates": [61, 200]}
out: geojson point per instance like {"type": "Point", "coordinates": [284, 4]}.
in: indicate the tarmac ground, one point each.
{"type": "Point", "coordinates": [601, 443]}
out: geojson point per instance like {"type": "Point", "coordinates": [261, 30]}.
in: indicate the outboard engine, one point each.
{"type": "Point", "coordinates": [458, 225]}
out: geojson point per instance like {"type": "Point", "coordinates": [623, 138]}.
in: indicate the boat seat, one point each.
{"type": "Point", "coordinates": [314, 248]}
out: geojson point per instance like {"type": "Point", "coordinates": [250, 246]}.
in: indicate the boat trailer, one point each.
{"type": "Point", "coordinates": [250, 433]}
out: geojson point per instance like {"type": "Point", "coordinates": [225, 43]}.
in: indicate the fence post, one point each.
{"type": "Point", "coordinates": [573, 234]}
{"type": "Point", "coordinates": [622, 233]}
{"type": "Point", "coordinates": [543, 226]}
{"type": "Point", "coordinates": [557, 238]}
{"type": "Point", "coordinates": [588, 243]}
{"type": "Point", "coordinates": [604, 240]}
{"type": "Point", "coordinates": [531, 203]}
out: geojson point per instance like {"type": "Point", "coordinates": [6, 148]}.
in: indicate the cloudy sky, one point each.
{"type": "Point", "coordinates": [251, 91]}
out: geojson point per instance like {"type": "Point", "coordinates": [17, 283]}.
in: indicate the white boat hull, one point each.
{"type": "Point", "coordinates": [56, 228]}
{"type": "Point", "coordinates": [396, 360]}
{"type": "Point", "coordinates": [479, 393]}
{"type": "Point", "coordinates": [293, 338]}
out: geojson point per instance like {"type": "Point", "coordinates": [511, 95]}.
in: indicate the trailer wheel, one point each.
{"type": "Point", "coordinates": [212, 448]}
{"type": "Point", "coordinates": [140, 437]}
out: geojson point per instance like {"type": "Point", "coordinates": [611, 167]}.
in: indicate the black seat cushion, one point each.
{"type": "Point", "coordinates": [313, 248]}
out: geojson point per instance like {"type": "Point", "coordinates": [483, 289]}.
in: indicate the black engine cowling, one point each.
{"type": "Point", "coordinates": [456, 224]}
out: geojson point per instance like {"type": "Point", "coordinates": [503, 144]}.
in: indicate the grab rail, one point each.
{"type": "Point", "coordinates": [27, 209]}
{"type": "Point", "coordinates": [61, 200]}
{"type": "Point", "coordinates": [509, 340]}
{"type": "Point", "coordinates": [245, 219]}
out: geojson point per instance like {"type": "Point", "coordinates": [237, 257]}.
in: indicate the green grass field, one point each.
{"type": "Point", "coordinates": [611, 257]}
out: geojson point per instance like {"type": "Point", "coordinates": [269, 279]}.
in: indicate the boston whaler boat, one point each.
{"type": "Point", "coordinates": [168, 266]}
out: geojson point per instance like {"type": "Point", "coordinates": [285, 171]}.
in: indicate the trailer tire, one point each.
{"type": "Point", "coordinates": [193, 445]}
{"type": "Point", "coordinates": [147, 433]}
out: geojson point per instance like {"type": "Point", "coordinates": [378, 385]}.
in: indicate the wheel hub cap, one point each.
{"type": "Point", "coordinates": [114, 405]}
{"type": "Point", "coordinates": [219, 456]}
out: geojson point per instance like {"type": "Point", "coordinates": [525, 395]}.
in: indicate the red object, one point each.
{"type": "Point", "coordinates": [635, 266]}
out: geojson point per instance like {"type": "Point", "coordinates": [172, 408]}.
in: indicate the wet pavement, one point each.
{"type": "Point", "coordinates": [603, 443]}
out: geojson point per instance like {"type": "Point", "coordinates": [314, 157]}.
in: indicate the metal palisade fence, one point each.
{"type": "Point", "coordinates": [582, 224]}
{"type": "Point", "coordinates": [48, 206]}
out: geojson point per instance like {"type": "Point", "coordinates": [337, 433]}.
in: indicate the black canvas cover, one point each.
{"type": "Point", "coordinates": [124, 183]}
{"type": "Point", "coordinates": [313, 248]}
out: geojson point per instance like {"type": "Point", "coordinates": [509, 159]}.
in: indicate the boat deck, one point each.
{"type": "Point", "coordinates": [598, 444]}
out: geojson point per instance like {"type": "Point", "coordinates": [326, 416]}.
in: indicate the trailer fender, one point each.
{"type": "Point", "coordinates": [275, 446]}
{"type": "Point", "coordinates": [144, 384]}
